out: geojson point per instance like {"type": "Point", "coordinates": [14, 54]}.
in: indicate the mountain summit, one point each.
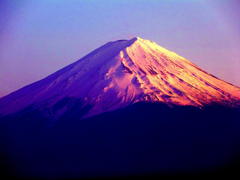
{"type": "Point", "coordinates": [121, 73]}
{"type": "Point", "coordinates": [164, 116]}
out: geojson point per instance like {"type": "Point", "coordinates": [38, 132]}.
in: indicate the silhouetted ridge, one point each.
{"type": "Point", "coordinates": [129, 108]}
{"type": "Point", "coordinates": [142, 139]}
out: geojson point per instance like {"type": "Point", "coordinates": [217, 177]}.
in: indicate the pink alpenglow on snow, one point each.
{"type": "Point", "coordinates": [121, 73]}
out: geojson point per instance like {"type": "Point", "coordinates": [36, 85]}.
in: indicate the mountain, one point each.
{"type": "Point", "coordinates": [119, 74]}
{"type": "Point", "coordinates": [128, 109]}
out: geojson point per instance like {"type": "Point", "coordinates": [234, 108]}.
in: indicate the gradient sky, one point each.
{"type": "Point", "coordinates": [39, 37]}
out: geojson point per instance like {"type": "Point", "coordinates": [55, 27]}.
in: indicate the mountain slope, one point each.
{"type": "Point", "coordinates": [141, 139]}
{"type": "Point", "coordinates": [142, 117]}
{"type": "Point", "coordinates": [121, 73]}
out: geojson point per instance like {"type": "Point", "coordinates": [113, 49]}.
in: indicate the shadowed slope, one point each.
{"type": "Point", "coordinates": [141, 139]}
{"type": "Point", "coordinates": [121, 73]}
{"type": "Point", "coordinates": [130, 107]}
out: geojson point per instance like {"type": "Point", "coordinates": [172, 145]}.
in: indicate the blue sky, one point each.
{"type": "Point", "coordinates": [39, 37]}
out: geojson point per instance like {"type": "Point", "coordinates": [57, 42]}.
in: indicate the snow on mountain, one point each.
{"type": "Point", "coordinates": [121, 73]}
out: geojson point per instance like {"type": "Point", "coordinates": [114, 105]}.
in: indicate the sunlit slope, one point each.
{"type": "Point", "coordinates": [121, 73]}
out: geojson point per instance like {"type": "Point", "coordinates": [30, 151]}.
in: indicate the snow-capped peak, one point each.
{"type": "Point", "coordinates": [124, 72]}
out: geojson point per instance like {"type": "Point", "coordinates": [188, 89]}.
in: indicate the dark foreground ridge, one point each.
{"type": "Point", "coordinates": [143, 140]}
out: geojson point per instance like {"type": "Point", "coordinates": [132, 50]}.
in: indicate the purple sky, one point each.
{"type": "Point", "coordinates": [39, 37]}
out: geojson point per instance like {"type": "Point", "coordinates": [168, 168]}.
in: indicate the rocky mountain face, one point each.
{"type": "Point", "coordinates": [129, 108]}
{"type": "Point", "coordinates": [119, 74]}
